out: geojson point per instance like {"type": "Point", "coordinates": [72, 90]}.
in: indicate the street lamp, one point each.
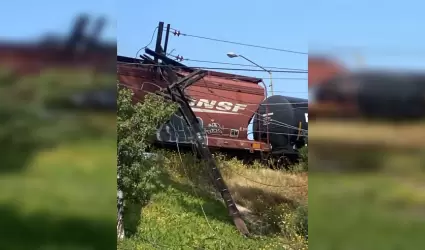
{"type": "Point", "coordinates": [233, 55]}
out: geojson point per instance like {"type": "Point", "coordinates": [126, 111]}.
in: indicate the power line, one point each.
{"type": "Point", "coordinates": [153, 35]}
{"type": "Point", "coordinates": [350, 50]}
{"type": "Point", "coordinates": [178, 33]}
{"type": "Point", "coordinates": [180, 58]}
{"type": "Point", "coordinates": [213, 68]}
{"type": "Point", "coordinates": [236, 77]}
{"type": "Point", "coordinates": [282, 125]}
{"type": "Point", "coordinates": [211, 92]}
{"type": "Point", "coordinates": [273, 78]}
{"type": "Point", "coordinates": [293, 92]}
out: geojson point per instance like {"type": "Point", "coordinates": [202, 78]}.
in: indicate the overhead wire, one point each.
{"type": "Point", "coordinates": [236, 77]}
{"type": "Point", "coordinates": [283, 91]}
{"type": "Point", "coordinates": [176, 32]}
{"type": "Point", "coordinates": [153, 35]}
{"type": "Point", "coordinates": [252, 132]}
{"type": "Point", "coordinates": [239, 77]}
{"type": "Point", "coordinates": [217, 68]}
{"type": "Point", "coordinates": [180, 58]}
{"type": "Point", "coordinates": [267, 78]}
{"type": "Point", "coordinates": [270, 121]}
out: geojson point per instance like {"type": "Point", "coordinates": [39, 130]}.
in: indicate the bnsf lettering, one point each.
{"type": "Point", "coordinates": [239, 107]}
{"type": "Point", "coordinates": [206, 103]}
{"type": "Point", "coordinates": [224, 106]}
{"type": "Point", "coordinates": [213, 104]}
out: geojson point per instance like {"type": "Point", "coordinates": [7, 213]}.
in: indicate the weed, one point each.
{"type": "Point", "coordinates": [189, 213]}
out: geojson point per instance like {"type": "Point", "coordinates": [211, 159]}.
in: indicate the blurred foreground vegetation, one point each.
{"type": "Point", "coordinates": [58, 166]}
{"type": "Point", "coordinates": [365, 192]}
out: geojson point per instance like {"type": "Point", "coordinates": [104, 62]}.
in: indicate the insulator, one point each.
{"type": "Point", "coordinates": [176, 33]}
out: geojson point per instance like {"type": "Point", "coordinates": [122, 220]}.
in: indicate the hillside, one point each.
{"type": "Point", "coordinates": [188, 214]}
{"type": "Point", "coordinates": [170, 203]}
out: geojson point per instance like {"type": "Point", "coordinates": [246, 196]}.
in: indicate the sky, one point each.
{"type": "Point", "coordinates": [254, 23]}
{"type": "Point", "coordinates": [388, 33]}
{"type": "Point", "coordinates": [385, 34]}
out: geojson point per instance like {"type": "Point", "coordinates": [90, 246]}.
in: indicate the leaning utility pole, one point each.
{"type": "Point", "coordinates": [175, 92]}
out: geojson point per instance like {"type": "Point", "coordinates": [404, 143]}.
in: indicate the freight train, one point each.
{"type": "Point", "coordinates": [225, 105]}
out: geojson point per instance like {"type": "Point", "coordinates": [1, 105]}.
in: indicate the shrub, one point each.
{"type": "Point", "coordinates": [138, 173]}
{"type": "Point", "coordinates": [136, 125]}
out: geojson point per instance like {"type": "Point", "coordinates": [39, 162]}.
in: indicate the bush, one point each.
{"type": "Point", "coordinates": [138, 173]}
{"type": "Point", "coordinates": [136, 125]}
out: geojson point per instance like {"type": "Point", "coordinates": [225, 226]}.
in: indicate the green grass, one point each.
{"type": "Point", "coordinates": [366, 211]}
{"type": "Point", "coordinates": [174, 220]}
{"type": "Point", "coordinates": [64, 199]}
{"type": "Point", "coordinates": [187, 215]}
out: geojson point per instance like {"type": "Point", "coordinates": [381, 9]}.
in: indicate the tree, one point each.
{"type": "Point", "coordinates": [137, 123]}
